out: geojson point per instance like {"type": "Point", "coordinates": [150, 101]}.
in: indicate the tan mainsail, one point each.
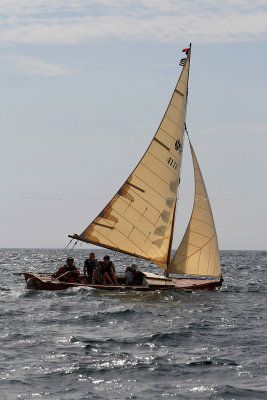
{"type": "Point", "coordinates": [198, 252]}
{"type": "Point", "coordinates": [138, 220]}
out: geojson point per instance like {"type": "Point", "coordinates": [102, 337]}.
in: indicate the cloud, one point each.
{"type": "Point", "coordinates": [127, 7]}
{"type": "Point", "coordinates": [34, 66]}
{"type": "Point", "coordinates": [79, 21]}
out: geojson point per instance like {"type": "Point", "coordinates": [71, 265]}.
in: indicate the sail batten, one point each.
{"type": "Point", "coordinates": [198, 252]}
{"type": "Point", "coordinates": [143, 208]}
{"type": "Point", "coordinates": [162, 144]}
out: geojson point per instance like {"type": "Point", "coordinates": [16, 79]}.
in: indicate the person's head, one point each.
{"type": "Point", "coordinates": [92, 256]}
{"type": "Point", "coordinates": [106, 259]}
{"type": "Point", "coordinates": [99, 265]}
{"type": "Point", "coordinates": [70, 261]}
{"type": "Point", "coordinates": [134, 267]}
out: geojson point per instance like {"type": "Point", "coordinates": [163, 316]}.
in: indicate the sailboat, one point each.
{"type": "Point", "coordinates": [139, 219]}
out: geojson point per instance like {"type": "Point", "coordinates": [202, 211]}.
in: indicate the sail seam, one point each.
{"type": "Point", "coordinates": [200, 220]}
{"type": "Point", "coordinates": [202, 208]}
{"type": "Point", "coordinates": [160, 196]}
{"type": "Point", "coordinates": [125, 237]}
{"type": "Point", "coordinates": [104, 237]}
{"type": "Point", "coordinates": [134, 227]}
{"type": "Point", "coordinates": [209, 259]}
{"type": "Point", "coordinates": [200, 182]}
{"type": "Point", "coordinates": [199, 234]}
{"type": "Point", "coordinates": [154, 173]}
{"type": "Point", "coordinates": [191, 244]}
{"type": "Point", "coordinates": [199, 255]}
{"type": "Point", "coordinates": [163, 162]}
{"type": "Point", "coordinates": [147, 203]}
{"type": "Point", "coordinates": [176, 108]}
{"type": "Point", "coordinates": [202, 195]}
{"type": "Point", "coordinates": [187, 257]}
{"type": "Point", "coordinates": [163, 130]}
{"type": "Point", "coordinates": [174, 122]}
{"type": "Point", "coordinates": [135, 209]}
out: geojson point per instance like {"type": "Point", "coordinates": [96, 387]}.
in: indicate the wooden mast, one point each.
{"type": "Point", "coordinates": [171, 239]}
{"type": "Point", "coordinates": [170, 244]}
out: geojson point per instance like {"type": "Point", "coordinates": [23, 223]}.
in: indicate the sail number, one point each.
{"type": "Point", "coordinates": [172, 163]}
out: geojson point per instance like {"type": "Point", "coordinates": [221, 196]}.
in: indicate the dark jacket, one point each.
{"type": "Point", "coordinates": [90, 266]}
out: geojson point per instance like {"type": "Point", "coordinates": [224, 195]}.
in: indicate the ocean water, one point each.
{"type": "Point", "coordinates": [89, 344]}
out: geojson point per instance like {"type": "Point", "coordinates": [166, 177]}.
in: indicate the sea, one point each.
{"type": "Point", "coordinates": [84, 343]}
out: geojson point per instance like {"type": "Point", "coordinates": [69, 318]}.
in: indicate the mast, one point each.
{"type": "Point", "coordinates": [198, 252]}
{"type": "Point", "coordinates": [170, 245]}
{"type": "Point", "coordinates": [173, 221]}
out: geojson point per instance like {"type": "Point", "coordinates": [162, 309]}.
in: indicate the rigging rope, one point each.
{"type": "Point", "coordinates": [62, 251]}
{"type": "Point", "coordinates": [181, 167]}
{"type": "Point", "coordinates": [67, 245]}
{"type": "Point", "coordinates": [69, 253]}
{"type": "Point", "coordinates": [186, 131]}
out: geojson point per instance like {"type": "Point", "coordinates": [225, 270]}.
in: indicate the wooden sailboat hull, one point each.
{"type": "Point", "coordinates": [152, 282]}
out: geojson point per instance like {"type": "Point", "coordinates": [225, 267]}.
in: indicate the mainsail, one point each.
{"type": "Point", "coordinates": [139, 218]}
{"type": "Point", "coordinates": [198, 252]}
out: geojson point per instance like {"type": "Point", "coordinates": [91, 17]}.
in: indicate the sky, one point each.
{"type": "Point", "coordinates": [84, 85]}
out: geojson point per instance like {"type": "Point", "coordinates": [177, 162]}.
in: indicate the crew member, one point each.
{"type": "Point", "coordinates": [100, 276]}
{"type": "Point", "coordinates": [68, 272]}
{"type": "Point", "coordinates": [133, 275]}
{"type": "Point", "coordinates": [89, 266]}
{"type": "Point", "coordinates": [110, 269]}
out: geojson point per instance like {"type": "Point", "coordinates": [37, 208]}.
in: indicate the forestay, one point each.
{"type": "Point", "coordinates": [138, 219]}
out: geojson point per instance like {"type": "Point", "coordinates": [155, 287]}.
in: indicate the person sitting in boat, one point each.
{"type": "Point", "coordinates": [89, 266]}
{"type": "Point", "coordinates": [110, 269]}
{"type": "Point", "coordinates": [100, 276]}
{"type": "Point", "coordinates": [68, 272]}
{"type": "Point", "coordinates": [133, 275]}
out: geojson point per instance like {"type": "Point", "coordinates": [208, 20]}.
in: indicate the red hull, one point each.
{"type": "Point", "coordinates": [42, 281]}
